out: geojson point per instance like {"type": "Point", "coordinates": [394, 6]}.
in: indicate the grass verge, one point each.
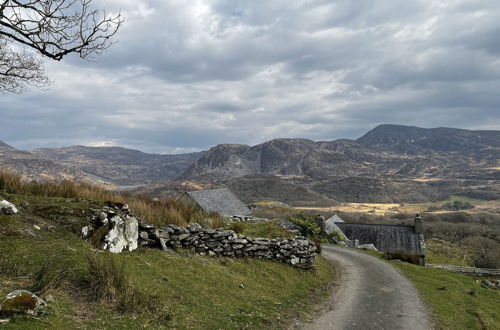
{"type": "Point", "coordinates": [455, 301]}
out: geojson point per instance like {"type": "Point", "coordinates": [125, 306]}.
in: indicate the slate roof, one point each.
{"type": "Point", "coordinates": [222, 201]}
{"type": "Point", "coordinates": [386, 238]}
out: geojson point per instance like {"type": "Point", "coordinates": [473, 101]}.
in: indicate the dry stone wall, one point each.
{"type": "Point", "coordinates": [298, 252]}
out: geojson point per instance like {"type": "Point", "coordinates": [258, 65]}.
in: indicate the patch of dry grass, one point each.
{"type": "Point", "coordinates": [158, 213]}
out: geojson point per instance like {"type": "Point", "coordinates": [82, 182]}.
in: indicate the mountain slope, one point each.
{"type": "Point", "coordinates": [121, 166]}
{"type": "Point", "coordinates": [410, 139]}
{"type": "Point", "coordinates": [390, 163]}
{"type": "Point", "coordinates": [39, 169]}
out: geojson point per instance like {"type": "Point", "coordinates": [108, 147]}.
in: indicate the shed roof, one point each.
{"type": "Point", "coordinates": [222, 201]}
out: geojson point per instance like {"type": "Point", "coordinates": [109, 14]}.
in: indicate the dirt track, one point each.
{"type": "Point", "coordinates": [371, 294]}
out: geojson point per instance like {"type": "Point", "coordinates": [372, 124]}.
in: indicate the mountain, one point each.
{"type": "Point", "coordinates": [120, 166]}
{"type": "Point", "coordinates": [31, 167]}
{"type": "Point", "coordinates": [413, 140]}
{"type": "Point", "coordinates": [391, 163]}
{"type": "Point", "coordinates": [4, 145]}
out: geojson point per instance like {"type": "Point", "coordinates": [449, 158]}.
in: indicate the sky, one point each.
{"type": "Point", "coordinates": [188, 75]}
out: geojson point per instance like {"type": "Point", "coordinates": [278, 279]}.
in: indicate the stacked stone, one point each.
{"type": "Point", "coordinates": [247, 218]}
{"type": "Point", "coordinates": [121, 228]}
{"type": "Point", "coordinates": [299, 252]}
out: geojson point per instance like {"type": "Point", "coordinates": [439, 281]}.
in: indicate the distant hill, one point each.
{"type": "Point", "coordinates": [120, 166]}
{"type": "Point", "coordinates": [32, 167]}
{"type": "Point", "coordinates": [410, 139]}
{"type": "Point", "coordinates": [4, 145]}
{"type": "Point", "coordinates": [390, 163]}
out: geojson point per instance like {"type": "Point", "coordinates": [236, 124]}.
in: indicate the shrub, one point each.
{"type": "Point", "coordinates": [308, 224]}
{"type": "Point", "coordinates": [50, 276]}
{"type": "Point", "coordinates": [337, 235]}
{"type": "Point", "coordinates": [109, 282]}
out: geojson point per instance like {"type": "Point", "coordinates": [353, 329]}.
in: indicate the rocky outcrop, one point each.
{"type": "Point", "coordinates": [298, 252]}
{"type": "Point", "coordinates": [114, 228]}
{"type": "Point", "coordinates": [21, 302]}
{"type": "Point", "coordinates": [7, 208]}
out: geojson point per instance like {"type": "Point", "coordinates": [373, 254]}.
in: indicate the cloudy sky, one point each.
{"type": "Point", "coordinates": [187, 75]}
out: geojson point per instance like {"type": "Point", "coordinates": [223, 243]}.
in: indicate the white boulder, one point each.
{"type": "Point", "coordinates": [7, 208]}
{"type": "Point", "coordinates": [123, 235]}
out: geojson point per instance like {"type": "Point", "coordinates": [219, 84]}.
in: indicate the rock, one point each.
{"type": "Point", "coordinates": [367, 247]}
{"type": "Point", "coordinates": [124, 234]}
{"type": "Point", "coordinates": [103, 218]}
{"type": "Point", "coordinates": [86, 231]}
{"type": "Point", "coordinates": [4, 321]}
{"type": "Point", "coordinates": [491, 284]}
{"type": "Point", "coordinates": [194, 228]}
{"type": "Point", "coordinates": [242, 286]}
{"type": "Point", "coordinates": [144, 235]}
{"type": "Point", "coordinates": [21, 301]}
{"type": "Point", "coordinates": [7, 208]}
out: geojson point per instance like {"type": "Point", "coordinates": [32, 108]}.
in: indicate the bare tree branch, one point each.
{"type": "Point", "coordinates": [53, 29]}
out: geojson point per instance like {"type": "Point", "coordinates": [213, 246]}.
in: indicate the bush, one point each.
{"type": "Point", "coordinates": [308, 224]}
{"type": "Point", "coordinates": [486, 251]}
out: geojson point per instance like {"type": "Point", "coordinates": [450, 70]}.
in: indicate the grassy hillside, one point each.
{"type": "Point", "coordinates": [87, 288]}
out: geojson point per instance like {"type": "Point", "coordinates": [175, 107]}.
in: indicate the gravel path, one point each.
{"type": "Point", "coordinates": [370, 294]}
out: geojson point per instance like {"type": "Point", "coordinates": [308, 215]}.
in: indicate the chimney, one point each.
{"type": "Point", "coordinates": [418, 224]}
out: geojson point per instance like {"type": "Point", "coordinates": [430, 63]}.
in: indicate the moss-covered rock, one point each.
{"type": "Point", "coordinates": [21, 301]}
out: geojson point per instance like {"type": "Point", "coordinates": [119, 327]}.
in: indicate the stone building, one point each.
{"type": "Point", "coordinates": [401, 242]}
{"type": "Point", "coordinates": [222, 201]}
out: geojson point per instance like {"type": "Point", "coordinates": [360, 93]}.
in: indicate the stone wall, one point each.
{"type": "Point", "coordinates": [113, 228]}
{"type": "Point", "coordinates": [299, 252]}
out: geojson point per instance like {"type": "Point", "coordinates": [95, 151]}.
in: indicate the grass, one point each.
{"type": "Point", "coordinates": [145, 288]}
{"type": "Point", "coordinates": [158, 213]}
{"type": "Point", "coordinates": [457, 301]}
{"type": "Point", "coordinates": [446, 253]}
{"type": "Point", "coordinates": [269, 229]}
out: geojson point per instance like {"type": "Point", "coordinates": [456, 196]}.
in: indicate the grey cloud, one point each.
{"type": "Point", "coordinates": [189, 75]}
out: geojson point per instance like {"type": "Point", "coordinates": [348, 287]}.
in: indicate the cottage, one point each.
{"type": "Point", "coordinates": [403, 242]}
{"type": "Point", "coordinates": [222, 201]}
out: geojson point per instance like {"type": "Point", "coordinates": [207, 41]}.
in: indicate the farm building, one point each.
{"type": "Point", "coordinates": [222, 201]}
{"type": "Point", "coordinates": [403, 242]}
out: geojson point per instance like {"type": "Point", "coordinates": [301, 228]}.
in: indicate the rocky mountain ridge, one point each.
{"type": "Point", "coordinates": [391, 163]}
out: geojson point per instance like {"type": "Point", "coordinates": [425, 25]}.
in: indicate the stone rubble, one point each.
{"type": "Point", "coordinates": [298, 252]}
{"type": "Point", "coordinates": [247, 218]}
{"type": "Point", "coordinates": [7, 208]}
{"type": "Point", "coordinates": [491, 284]}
